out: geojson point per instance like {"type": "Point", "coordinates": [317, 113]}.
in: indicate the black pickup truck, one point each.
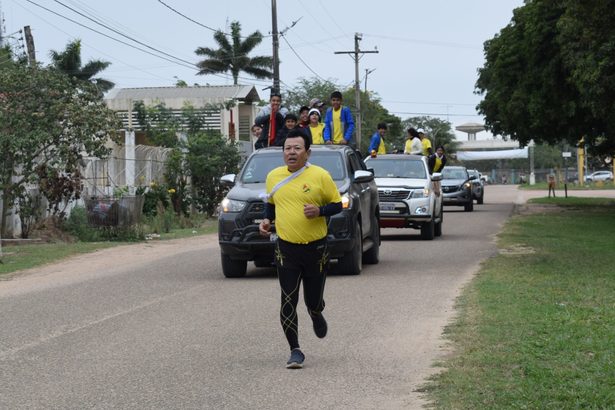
{"type": "Point", "coordinates": [354, 233]}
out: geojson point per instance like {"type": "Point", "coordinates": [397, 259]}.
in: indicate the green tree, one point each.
{"type": "Point", "coordinates": [69, 62]}
{"type": "Point", "coordinates": [234, 57]}
{"type": "Point", "coordinates": [305, 90]}
{"type": "Point", "coordinates": [550, 74]}
{"type": "Point", "coordinates": [209, 157]}
{"type": "Point", "coordinates": [46, 121]}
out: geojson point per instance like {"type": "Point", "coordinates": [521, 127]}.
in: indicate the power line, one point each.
{"type": "Point", "coordinates": [196, 22]}
{"type": "Point", "coordinates": [301, 59]}
{"type": "Point", "coordinates": [191, 66]}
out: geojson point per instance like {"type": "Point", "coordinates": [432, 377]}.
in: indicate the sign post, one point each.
{"type": "Point", "coordinates": [566, 155]}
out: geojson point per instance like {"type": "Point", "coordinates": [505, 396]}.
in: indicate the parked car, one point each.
{"type": "Point", "coordinates": [485, 178]}
{"type": "Point", "coordinates": [457, 187]}
{"type": "Point", "coordinates": [478, 186]}
{"type": "Point", "coordinates": [599, 176]}
{"type": "Point", "coordinates": [354, 233]}
{"type": "Point", "coordinates": [406, 193]}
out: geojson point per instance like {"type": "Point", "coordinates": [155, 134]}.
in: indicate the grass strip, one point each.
{"type": "Point", "coordinates": [19, 257]}
{"type": "Point", "coordinates": [536, 326]}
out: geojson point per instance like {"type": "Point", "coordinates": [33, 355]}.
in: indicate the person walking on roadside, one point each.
{"type": "Point", "coordinates": [376, 145]}
{"type": "Point", "coordinates": [271, 119]}
{"type": "Point", "coordinates": [413, 143]}
{"type": "Point", "coordinates": [339, 124]}
{"type": "Point", "coordinates": [425, 143]}
{"type": "Point", "coordinates": [299, 198]}
{"type": "Point", "coordinates": [315, 128]}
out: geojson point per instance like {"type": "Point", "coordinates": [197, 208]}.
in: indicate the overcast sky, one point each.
{"type": "Point", "coordinates": [429, 51]}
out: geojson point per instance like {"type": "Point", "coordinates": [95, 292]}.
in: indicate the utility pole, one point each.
{"type": "Point", "coordinates": [30, 46]}
{"type": "Point", "coordinates": [357, 87]}
{"type": "Point", "coordinates": [276, 46]}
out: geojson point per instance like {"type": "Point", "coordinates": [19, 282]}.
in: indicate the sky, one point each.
{"type": "Point", "coordinates": [427, 61]}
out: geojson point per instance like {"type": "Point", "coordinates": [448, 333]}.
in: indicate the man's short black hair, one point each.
{"type": "Point", "coordinates": [382, 126]}
{"type": "Point", "coordinates": [303, 108]}
{"type": "Point", "coordinates": [290, 116]}
{"type": "Point", "coordinates": [275, 94]}
{"type": "Point", "coordinates": [336, 94]}
{"type": "Point", "coordinates": [298, 132]}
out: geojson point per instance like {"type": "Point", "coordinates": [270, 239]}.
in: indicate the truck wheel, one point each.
{"type": "Point", "coordinates": [469, 207]}
{"type": "Point", "coordinates": [438, 226]}
{"type": "Point", "coordinates": [233, 268]}
{"type": "Point", "coordinates": [351, 263]}
{"type": "Point", "coordinates": [428, 230]}
{"type": "Point", "coordinates": [480, 200]}
{"type": "Point", "coordinates": [372, 255]}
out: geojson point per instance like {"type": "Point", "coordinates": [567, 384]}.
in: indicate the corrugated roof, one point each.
{"type": "Point", "coordinates": [122, 99]}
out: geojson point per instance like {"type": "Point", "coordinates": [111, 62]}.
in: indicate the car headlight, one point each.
{"type": "Point", "coordinates": [467, 185]}
{"type": "Point", "coordinates": [232, 205]}
{"type": "Point", "coordinates": [346, 201]}
{"type": "Point", "coordinates": [421, 193]}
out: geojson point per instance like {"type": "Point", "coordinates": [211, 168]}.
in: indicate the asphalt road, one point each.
{"type": "Point", "coordinates": [157, 325]}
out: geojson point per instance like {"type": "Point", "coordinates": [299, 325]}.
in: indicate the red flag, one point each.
{"type": "Point", "coordinates": [272, 129]}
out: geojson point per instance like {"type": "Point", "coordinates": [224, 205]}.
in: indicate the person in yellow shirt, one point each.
{"type": "Point", "coordinates": [425, 142]}
{"type": "Point", "coordinates": [339, 124]}
{"type": "Point", "coordinates": [315, 128]}
{"type": "Point", "coordinates": [299, 198]}
{"type": "Point", "coordinates": [376, 145]}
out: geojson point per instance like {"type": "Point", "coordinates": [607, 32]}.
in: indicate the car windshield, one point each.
{"type": "Point", "coordinates": [258, 166]}
{"type": "Point", "coordinates": [473, 172]}
{"type": "Point", "coordinates": [454, 173]}
{"type": "Point", "coordinates": [397, 168]}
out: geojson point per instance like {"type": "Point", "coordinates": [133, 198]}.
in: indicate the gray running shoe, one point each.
{"type": "Point", "coordinates": [320, 325]}
{"type": "Point", "coordinates": [296, 359]}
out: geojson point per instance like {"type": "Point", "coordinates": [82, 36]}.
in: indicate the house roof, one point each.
{"type": "Point", "coordinates": [122, 99]}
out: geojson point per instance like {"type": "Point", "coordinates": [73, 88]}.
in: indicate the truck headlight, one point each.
{"type": "Point", "coordinates": [421, 193]}
{"type": "Point", "coordinates": [467, 185]}
{"type": "Point", "coordinates": [232, 205]}
{"type": "Point", "coordinates": [346, 201]}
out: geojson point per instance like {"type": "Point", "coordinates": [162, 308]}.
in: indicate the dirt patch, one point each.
{"type": "Point", "coordinates": [533, 209]}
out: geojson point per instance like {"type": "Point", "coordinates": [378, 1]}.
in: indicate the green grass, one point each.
{"type": "Point", "coordinates": [536, 327]}
{"type": "Point", "coordinates": [19, 257]}
{"type": "Point", "coordinates": [575, 202]}
{"type": "Point", "coordinates": [542, 186]}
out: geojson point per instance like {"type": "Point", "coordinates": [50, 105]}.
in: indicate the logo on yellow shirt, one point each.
{"type": "Point", "coordinates": [306, 188]}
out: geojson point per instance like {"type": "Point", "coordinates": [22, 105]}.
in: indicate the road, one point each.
{"type": "Point", "coordinates": [157, 326]}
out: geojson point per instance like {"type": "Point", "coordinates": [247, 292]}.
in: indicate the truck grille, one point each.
{"type": "Point", "coordinates": [387, 195]}
{"type": "Point", "coordinates": [452, 188]}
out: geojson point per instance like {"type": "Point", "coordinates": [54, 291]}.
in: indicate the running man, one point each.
{"type": "Point", "coordinates": [300, 196]}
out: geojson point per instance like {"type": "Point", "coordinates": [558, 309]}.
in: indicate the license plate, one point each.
{"type": "Point", "coordinates": [387, 206]}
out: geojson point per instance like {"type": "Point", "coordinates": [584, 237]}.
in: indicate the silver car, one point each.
{"type": "Point", "coordinates": [457, 187]}
{"type": "Point", "coordinates": [406, 193]}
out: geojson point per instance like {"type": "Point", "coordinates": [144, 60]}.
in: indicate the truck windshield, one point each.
{"type": "Point", "coordinates": [258, 166]}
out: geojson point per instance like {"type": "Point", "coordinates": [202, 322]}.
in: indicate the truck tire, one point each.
{"type": "Point", "coordinates": [352, 262]}
{"type": "Point", "coordinates": [428, 230]}
{"type": "Point", "coordinates": [469, 207]}
{"type": "Point", "coordinates": [372, 255]}
{"type": "Point", "coordinates": [233, 268]}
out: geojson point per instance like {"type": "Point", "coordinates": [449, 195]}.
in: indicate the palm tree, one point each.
{"type": "Point", "coordinates": [69, 62]}
{"type": "Point", "coordinates": [234, 57]}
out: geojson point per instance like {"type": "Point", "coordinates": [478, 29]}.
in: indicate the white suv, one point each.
{"type": "Point", "coordinates": [406, 193]}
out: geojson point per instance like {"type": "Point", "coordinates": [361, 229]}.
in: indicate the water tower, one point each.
{"type": "Point", "coordinates": [471, 128]}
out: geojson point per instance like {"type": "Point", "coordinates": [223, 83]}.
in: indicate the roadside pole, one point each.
{"type": "Point", "coordinates": [566, 155]}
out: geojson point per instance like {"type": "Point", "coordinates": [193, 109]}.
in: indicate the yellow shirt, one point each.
{"type": "Point", "coordinates": [382, 148]}
{"type": "Point", "coordinates": [317, 133]}
{"type": "Point", "coordinates": [426, 145]}
{"type": "Point", "coordinates": [314, 186]}
{"type": "Point", "coordinates": [338, 130]}
{"type": "Point", "coordinates": [438, 166]}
